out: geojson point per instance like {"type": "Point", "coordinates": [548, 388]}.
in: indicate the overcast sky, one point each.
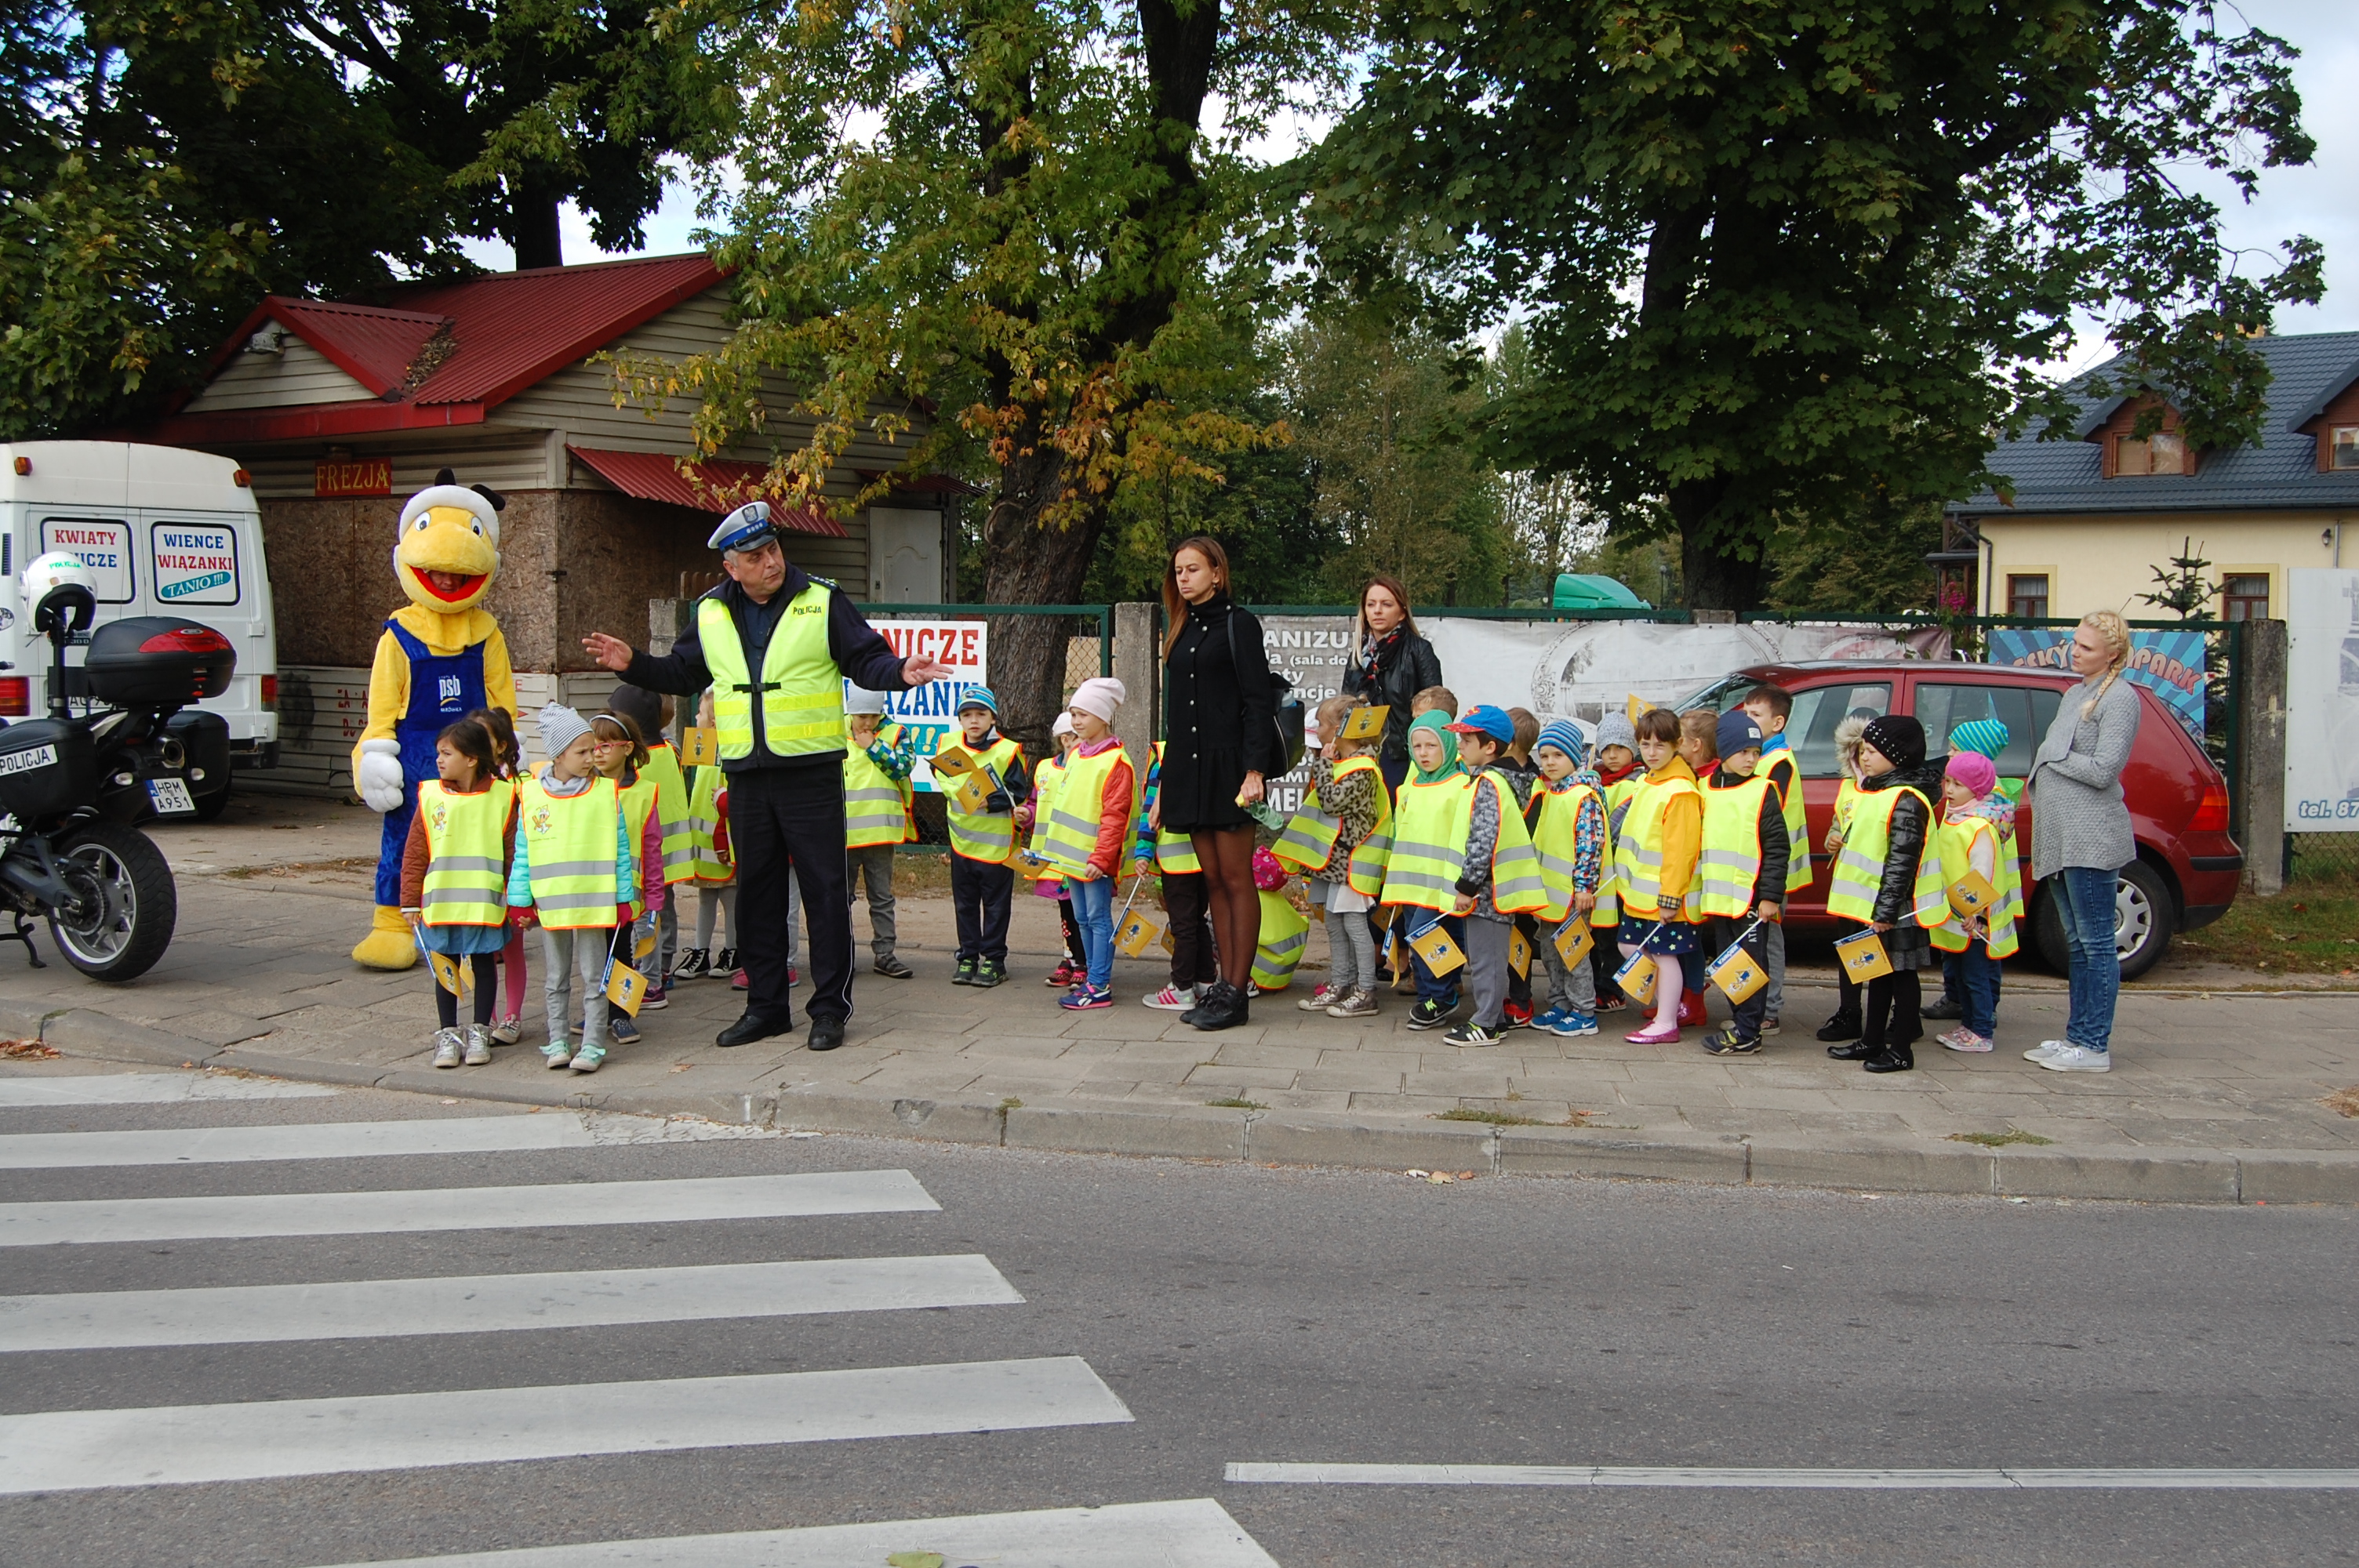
{"type": "Point", "coordinates": [2320, 200]}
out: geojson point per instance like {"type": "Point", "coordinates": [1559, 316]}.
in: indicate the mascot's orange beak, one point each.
{"type": "Point", "coordinates": [450, 588]}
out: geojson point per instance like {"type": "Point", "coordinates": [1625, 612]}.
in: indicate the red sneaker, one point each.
{"type": "Point", "coordinates": [1065, 973]}
{"type": "Point", "coordinates": [1517, 1015]}
{"type": "Point", "coordinates": [738, 982]}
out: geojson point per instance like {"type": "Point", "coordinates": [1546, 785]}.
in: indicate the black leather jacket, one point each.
{"type": "Point", "coordinates": [1408, 669]}
{"type": "Point", "coordinates": [1896, 895]}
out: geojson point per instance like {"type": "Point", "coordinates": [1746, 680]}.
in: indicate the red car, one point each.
{"type": "Point", "coordinates": [2188, 867]}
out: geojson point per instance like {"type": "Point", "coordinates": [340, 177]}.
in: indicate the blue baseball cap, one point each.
{"type": "Point", "coordinates": [746, 528]}
{"type": "Point", "coordinates": [1485, 719]}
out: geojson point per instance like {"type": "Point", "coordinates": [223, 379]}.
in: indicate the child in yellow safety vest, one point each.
{"type": "Point", "coordinates": [652, 713]}
{"type": "Point", "coordinates": [1888, 879]}
{"type": "Point", "coordinates": [983, 841]}
{"type": "Point", "coordinates": [1844, 1027]}
{"type": "Point", "coordinates": [1770, 706]}
{"type": "Point", "coordinates": [878, 757]}
{"type": "Point", "coordinates": [507, 755]}
{"type": "Point", "coordinates": [1987, 738]}
{"type": "Point", "coordinates": [1977, 834]}
{"type": "Point", "coordinates": [569, 821]}
{"type": "Point", "coordinates": [1498, 874]}
{"type": "Point", "coordinates": [1085, 829]}
{"type": "Point", "coordinates": [1337, 840]}
{"type": "Point", "coordinates": [1186, 899]}
{"type": "Point", "coordinates": [453, 874]}
{"type": "Point", "coordinates": [1031, 818]}
{"type": "Point", "coordinates": [1567, 820]}
{"type": "Point", "coordinates": [713, 867]}
{"type": "Point", "coordinates": [621, 754]}
{"type": "Point", "coordinates": [1740, 887]}
{"type": "Point", "coordinates": [1620, 776]}
{"type": "Point", "coordinates": [1656, 851]}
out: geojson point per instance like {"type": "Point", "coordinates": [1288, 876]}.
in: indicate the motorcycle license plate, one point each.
{"type": "Point", "coordinates": [171, 797]}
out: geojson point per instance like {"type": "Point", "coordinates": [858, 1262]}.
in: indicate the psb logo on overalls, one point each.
{"type": "Point", "coordinates": [453, 693]}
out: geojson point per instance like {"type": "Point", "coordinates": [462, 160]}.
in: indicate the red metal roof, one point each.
{"type": "Point", "coordinates": [375, 347]}
{"type": "Point", "coordinates": [718, 485]}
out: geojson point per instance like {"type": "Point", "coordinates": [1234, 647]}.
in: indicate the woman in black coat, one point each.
{"type": "Point", "coordinates": [1220, 745]}
{"type": "Point", "coordinates": [1390, 661]}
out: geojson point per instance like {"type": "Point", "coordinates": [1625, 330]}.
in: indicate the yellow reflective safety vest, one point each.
{"type": "Point", "coordinates": [1957, 841]}
{"type": "Point", "coordinates": [1555, 834]}
{"type": "Point", "coordinates": [1047, 780]}
{"type": "Point", "coordinates": [1429, 842]}
{"type": "Point", "coordinates": [1859, 865]}
{"type": "Point", "coordinates": [567, 842]}
{"type": "Point", "coordinates": [1785, 774]}
{"type": "Point", "coordinates": [639, 807]}
{"type": "Point", "coordinates": [671, 804]}
{"type": "Point", "coordinates": [1609, 877]}
{"type": "Point", "coordinates": [874, 811]}
{"type": "Point", "coordinates": [1284, 935]}
{"type": "Point", "coordinates": [1731, 861]}
{"type": "Point", "coordinates": [704, 825]}
{"type": "Point", "coordinates": [1175, 853]}
{"type": "Point", "coordinates": [1638, 849]}
{"type": "Point", "coordinates": [466, 848]}
{"type": "Point", "coordinates": [986, 836]}
{"type": "Point", "coordinates": [800, 688]}
{"type": "Point", "coordinates": [1516, 887]}
{"type": "Point", "coordinates": [1309, 837]}
{"type": "Point", "coordinates": [1070, 834]}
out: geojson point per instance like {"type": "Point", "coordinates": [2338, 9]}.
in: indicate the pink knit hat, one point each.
{"type": "Point", "coordinates": [1974, 771]}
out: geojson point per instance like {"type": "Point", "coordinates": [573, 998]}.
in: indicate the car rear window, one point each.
{"type": "Point", "coordinates": [2027, 712]}
{"type": "Point", "coordinates": [1810, 728]}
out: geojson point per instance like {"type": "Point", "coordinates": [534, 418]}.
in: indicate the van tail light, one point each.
{"type": "Point", "coordinates": [16, 695]}
{"type": "Point", "coordinates": [270, 694]}
{"type": "Point", "coordinates": [2212, 811]}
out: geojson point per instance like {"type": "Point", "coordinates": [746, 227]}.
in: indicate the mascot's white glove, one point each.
{"type": "Point", "coordinates": [380, 783]}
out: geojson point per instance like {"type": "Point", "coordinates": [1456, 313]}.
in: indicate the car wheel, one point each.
{"type": "Point", "coordinates": [2144, 918]}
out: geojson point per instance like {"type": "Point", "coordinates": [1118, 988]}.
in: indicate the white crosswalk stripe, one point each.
{"type": "Point", "coordinates": [148, 1089]}
{"type": "Point", "coordinates": [177, 1444]}
{"type": "Point", "coordinates": [461, 1209]}
{"type": "Point", "coordinates": [481, 1303]}
{"type": "Point", "coordinates": [1194, 1534]}
{"type": "Point", "coordinates": [2077, 1479]}
{"type": "Point", "coordinates": [307, 1141]}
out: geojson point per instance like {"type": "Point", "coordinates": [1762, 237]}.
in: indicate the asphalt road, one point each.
{"type": "Point", "coordinates": [1234, 1314]}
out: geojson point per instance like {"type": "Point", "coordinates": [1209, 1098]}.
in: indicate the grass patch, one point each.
{"type": "Point", "coordinates": [1999, 1140]}
{"type": "Point", "coordinates": [1233, 1103]}
{"type": "Point", "coordinates": [2343, 1102]}
{"type": "Point", "coordinates": [2306, 930]}
{"type": "Point", "coordinates": [1496, 1118]}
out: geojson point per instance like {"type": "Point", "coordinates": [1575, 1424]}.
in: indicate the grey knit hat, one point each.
{"type": "Point", "coordinates": [559, 728]}
{"type": "Point", "coordinates": [1615, 730]}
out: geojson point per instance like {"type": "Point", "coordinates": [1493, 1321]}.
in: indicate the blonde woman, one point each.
{"type": "Point", "coordinates": [2081, 834]}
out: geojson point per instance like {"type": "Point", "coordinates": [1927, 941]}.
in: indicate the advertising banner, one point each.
{"type": "Point", "coordinates": [104, 547]}
{"type": "Point", "coordinates": [2167, 664]}
{"type": "Point", "coordinates": [931, 711]}
{"type": "Point", "coordinates": [1562, 669]}
{"type": "Point", "coordinates": [2321, 780]}
{"type": "Point", "coordinates": [194, 563]}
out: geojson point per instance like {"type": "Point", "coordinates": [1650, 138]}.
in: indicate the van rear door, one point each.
{"type": "Point", "coordinates": [207, 566]}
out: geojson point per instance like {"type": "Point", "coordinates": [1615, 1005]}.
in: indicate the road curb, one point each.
{"type": "Point", "coordinates": [1310, 1138]}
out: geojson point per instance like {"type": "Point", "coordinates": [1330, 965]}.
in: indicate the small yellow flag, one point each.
{"type": "Point", "coordinates": [625, 987]}
{"type": "Point", "coordinates": [949, 762]}
{"type": "Point", "coordinates": [1440, 954]}
{"type": "Point", "coordinates": [645, 945]}
{"type": "Point", "coordinates": [1736, 974]}
{"type": "Point", "coordinates": [1862, 956]}
{"type": "Point", "coordinates": [1573, 943]}
{"type": "Point", "coordinates": [1138, 933]}
{"type": "Point", "coordinates": [1364, 723]}
{"type": "Point", "coordinates": [1519, 953]}
{"type": "Point", "coordinates": [1636, 706]}
{"type": "Point", "coordinates": [451, 974]}
{"type": "Point", "coordinates": [699, 748]}
{"type": "Point", "coordinates": [1972, 894]}
{"type": "Point", "coordinates": [1637, 978]}
{"type": "Point", "coordinates": [972, 791]}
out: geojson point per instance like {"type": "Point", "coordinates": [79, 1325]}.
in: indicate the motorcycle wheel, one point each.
{"type": "Point", "coordinates": [125, 903]}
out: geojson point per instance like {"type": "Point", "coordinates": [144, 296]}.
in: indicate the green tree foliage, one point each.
{"type": "Point", "coordinates": [1787, 259]}
{"type": "Point", "coordinates": [1866, 562]}
{"type": "Point", "coordinates": [1016, 211]}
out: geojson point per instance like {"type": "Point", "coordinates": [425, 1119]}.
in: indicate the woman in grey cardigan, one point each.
{"type": "Point", "coordinates": [2081, 834]}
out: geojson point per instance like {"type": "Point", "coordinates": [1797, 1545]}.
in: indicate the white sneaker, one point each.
{"type": "Point", "coordinates": [1322, 1000]}
{"type": "Point", "coordinates": [2078, 1059]}
{"type": "Point", "coordinates": [1172, 999]}
{"type": "Point", "coordinates": [479, 1045]}
{"type": "Point", "coordinates": [448, 1045]}
{"type": "Point", "coordinates": [2045, 1049]}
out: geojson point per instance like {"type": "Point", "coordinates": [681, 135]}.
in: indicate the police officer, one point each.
{"type": "Point", "coordinates": [775, 644]}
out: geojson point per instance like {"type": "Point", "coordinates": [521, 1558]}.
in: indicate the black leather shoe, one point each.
{"type": "Point", "coordinates": [1891, 1061]}
{"type": "Point", "coordinates": [826, 1034]}
{"type": "Point", "coordinates": [1942, 1007]}
{"type": "Point", "coordinates": [1226, 1009]}
{"type": "Point", "coordinates": [753, 1026]}
{"type": "Point", "coordinates": [1208, 1006]}
{"type": "Point", "coordinates": [1840, 1028]}
{"type": "Point", "coordinates": [1857, 1050]}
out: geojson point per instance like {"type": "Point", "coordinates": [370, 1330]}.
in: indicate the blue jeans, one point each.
{"type": "Point", "coordinates": [2086, 900]}
{"type": "Point", "coordinates": [1439, 989]}
{"type": "Point", "coordinates": [1093, 911]}
{"type": "Point", "coordinates": [1978, 984]}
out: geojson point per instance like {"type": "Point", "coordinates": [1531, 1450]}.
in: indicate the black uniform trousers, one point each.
{"type": "Point", "coordinates": [785, 820]}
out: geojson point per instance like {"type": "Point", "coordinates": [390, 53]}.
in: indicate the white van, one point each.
{"type": "Point", "coordinates": [166, 531]}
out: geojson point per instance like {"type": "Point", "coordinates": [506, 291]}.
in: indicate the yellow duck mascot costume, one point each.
{"type": "Point", "coordinates": [441, 657]}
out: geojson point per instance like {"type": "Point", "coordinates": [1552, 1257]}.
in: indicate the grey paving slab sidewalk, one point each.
{"type": "Point", "coordinates": [2212, 1087]}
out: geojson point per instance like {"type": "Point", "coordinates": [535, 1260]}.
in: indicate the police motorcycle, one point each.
{"type": "Point", "coordinates": [121, 746]}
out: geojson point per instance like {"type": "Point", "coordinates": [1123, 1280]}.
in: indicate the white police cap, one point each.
{"type": "Point", "coordinates": [744, 529]}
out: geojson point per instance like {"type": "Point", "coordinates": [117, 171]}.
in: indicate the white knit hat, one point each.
{"type": "Point", "coordinates": [860, 700]}
{"type": "Point", "coordinates": [559, 728]}
{"type": "Point", "coordinates": [1100, 695]}
{"type": "Point", "coordinates": [1063, 724]}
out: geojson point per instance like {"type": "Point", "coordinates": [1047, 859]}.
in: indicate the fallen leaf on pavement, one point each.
{"type": "Point", "coordinates": [1441, 1178]}
{"type": "Point", "coordinates": [27, 1050]}
{"type": "Point", "coordinates": [1465, 1175]}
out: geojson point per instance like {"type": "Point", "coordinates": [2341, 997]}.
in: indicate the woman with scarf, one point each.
{"type": "Point", "coordinates": [1390, 661]}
